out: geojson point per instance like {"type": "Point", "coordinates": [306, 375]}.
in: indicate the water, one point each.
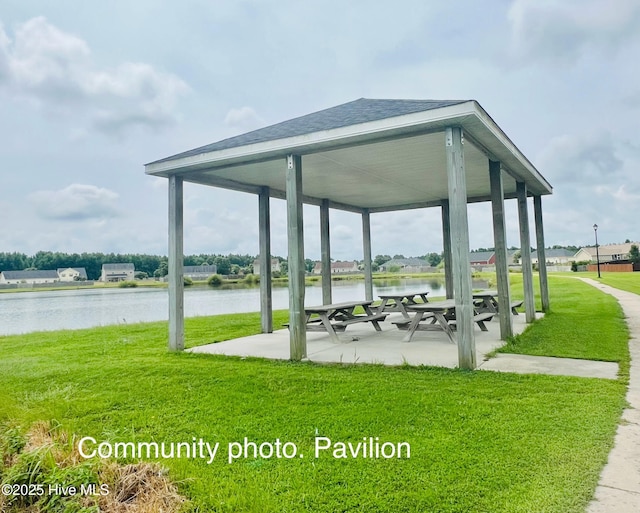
{"type": "Point", "coordinates": [84, 308]}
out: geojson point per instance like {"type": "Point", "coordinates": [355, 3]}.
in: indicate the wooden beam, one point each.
{"type": "Point", "coordinates": [542, 257]}
{"type": "Point", "coordinates": [176, 264]}
{"type": "Point", "coordinates": [366, 243]}
{"type": "Point", "coordinates": [325, 252]}
{"type": "Point", "coordinates": [446, 246]}
{"type": "Point", "coordinates": [264, 220]}
{"type": "Point", "coordinates": [457, 186]}
{"type": "Point", "coordinates": [500, 244]}
{"type": "Point", "coordinates": [295, 236]}
{"type": "Point", "coordinates": [525, 253]}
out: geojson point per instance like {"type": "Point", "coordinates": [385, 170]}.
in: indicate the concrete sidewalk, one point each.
{"type": "Point", "coordinates": [618, 490]}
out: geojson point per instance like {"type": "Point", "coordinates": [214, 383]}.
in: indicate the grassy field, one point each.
{"type": "Point", "coordinates": [480, 441]}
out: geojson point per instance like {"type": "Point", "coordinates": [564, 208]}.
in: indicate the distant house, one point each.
{"type": "Point", "coordinates": [482, 258]}
{"type": "Point", "coordinates": [117, 272]}
{"type": "Point", "coordinates": [72, 274]}
{"type": "Point", "coordinates": [407, 265]}
{"type": "Point", "coordinates": [613, 253]}
{"type": "Point", "coordinates": [560, 256]}
{"type": "Point", "coordinates": [338, 267]}
{"type": "Point", "coordinates": [275, 266]}
{"type": "Point", "coordinates": [34, 277]}
{"type": "Point", "coordinates": [199, 272]}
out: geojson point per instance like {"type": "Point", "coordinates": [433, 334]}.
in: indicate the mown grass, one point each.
{"type": "Point", "coordinates": [583, 323]}
{"type": "Point", "coordinates": [623, 281]}
{"type": "Point", "coordinates": [480, 442]}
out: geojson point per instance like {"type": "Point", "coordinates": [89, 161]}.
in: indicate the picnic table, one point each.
{"type": "Point", "coordinates": [488, 302]}
{"type": "Point", "coordinates": [336, 317]}
{"type": "Point", "coordinates": [441, 316]}
{"type": "Point", "coordinates": [398, 302]}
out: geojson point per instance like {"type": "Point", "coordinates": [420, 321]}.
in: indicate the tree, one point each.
{"type": "Point", "coordinates": [434, 259]}
{"type": "Point", "coordinates": [162, 270]}
{"type": "Point", "coordinates": [381, 259]}
{"type": "Point", "coordinates": [634, 254]}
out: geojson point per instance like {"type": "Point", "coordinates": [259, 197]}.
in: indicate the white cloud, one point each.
{"type": "Point", "coordinates": [77, 202]}
{"type": "Point", "coordinates": [244, 119]}
{"type": "Point", "coordinates": [55, 70]}
{"type": "Point", "coordinates": [566, 30]}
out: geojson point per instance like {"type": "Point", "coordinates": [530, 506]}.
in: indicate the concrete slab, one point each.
{"type": "Point", "coordinates": [360, 343]}
{"type": "Point", "coordinates": [525, 364]}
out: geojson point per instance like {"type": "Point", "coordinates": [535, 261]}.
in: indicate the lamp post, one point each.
{"type": "Point", "coordinates": [595, 230]}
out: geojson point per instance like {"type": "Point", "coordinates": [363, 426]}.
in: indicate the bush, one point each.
{"type": "Point", "coordinates": [127, 284]}
{"type": "Point", "coordinates": [187, 281]}
{"type": "Point", "coordinates": [215, 280]}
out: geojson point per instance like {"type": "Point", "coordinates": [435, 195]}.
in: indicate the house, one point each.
{"type": "Point", "coordinates": [560, 256]}
{"type": "Point", "coordinates": [117, 272]}
{"type": "Point", "coordinates": [72, 274]}
{"type": "Point", "coordinates": [338, 267]}
{"type": "Point", "coordinates": [275, 266]}
{"type": "Point", "coordinates": [606, 252]}
{"type": "Point", "coordinates": [482, 258]}
{"type": "Point", "coordinates": [407, 265]}
{"type": "Point", "coordinates": [33, 277]}
{"type": "Point", "coordinates": [199, 272]}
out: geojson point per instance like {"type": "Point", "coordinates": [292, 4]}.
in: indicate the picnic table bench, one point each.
{"type": "Point", "coordinates": [336, 317]}
{"type": "Point", "coordinates": [487, 301]}
{"type": "Point", "coordinates": [398, 302]}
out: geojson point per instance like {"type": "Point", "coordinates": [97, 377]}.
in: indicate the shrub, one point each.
{"type": "Point", "coordinates": [215, 280]}
{"type": "Point", "coordinates": [187, 281]}
{"type": "Point", "coordinates": [127, 284]}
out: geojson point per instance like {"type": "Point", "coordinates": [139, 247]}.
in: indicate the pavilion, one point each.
{"type": "Point", "coordinates": [369, 156]}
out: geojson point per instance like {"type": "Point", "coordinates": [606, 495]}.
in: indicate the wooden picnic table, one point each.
{"type": "Point", "coordinates": [398, 302]}
{"type": "Point", "coordinates": [337, 316]}
{"type": "Point", "coordinates": [441, 316]}
{"type": "Point", "coordinates": [488, 302]}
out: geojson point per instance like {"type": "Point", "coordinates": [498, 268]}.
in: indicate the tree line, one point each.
{"type": "Point", "coordinates": [151, 265]}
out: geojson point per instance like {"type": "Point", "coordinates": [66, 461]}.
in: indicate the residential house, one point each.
{"type": "Point", "coordinates": [32, 277]}
{"type": "Point", "coordinates": [199, 272]}
{"type": "Point", "coordinates": [560, 256]}
{"type": "Point", "coordinates": [407, 265]}
{"type": "Point", "coordinates": [117, 272]}
{"type": "Point", "coordinates": [275, 266]}
{"type": "Point", "coordinates": [482, 258]}
{"type": "Point", "coordinates": [72, 274]}
{"type": "Point", "coordinates": [338, 267]}
{"type": "Point", "coordinates": [607, 252]}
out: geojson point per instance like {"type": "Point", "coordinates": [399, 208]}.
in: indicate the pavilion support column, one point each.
{"type": "Point", "coordinates": [176, 264]}
{"type": "Point", "coordinates": [461, 267]}
{"type": "Point", "coordinates": [542, 257]}
{"type": "Point", "coordinates": [325, 252]}
{"type": "Point", "coordinates": [297, 325]}
{"type": "Point", "coordinates": [366, 243]}
{"type": "Point", "coordinates": [446, 247]}
{"type": "Point", "coordinates": [525, 252]}
{"type": "Point", "coordinates": [264, 219]}
{"type": "Point", "coordinates": [500, 243]}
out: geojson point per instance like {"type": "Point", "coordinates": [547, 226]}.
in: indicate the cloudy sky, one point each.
{"type": "Point", "coordinates": [91, 91]}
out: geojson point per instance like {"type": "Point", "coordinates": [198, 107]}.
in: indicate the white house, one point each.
{"type": "Point", "coordinates": [34, 277]}
{"type": "Point", "coordinates": [117, 272]}
{"type": "Point", "coordinates": [338, 267]}
{"type": "Point", "coordinates": [408, 265]}
{"type": "Point", "coordinates": [560, 256]}
{"type": "Point", "coordinates": [72, 274]}
{"type": "Point", "coordinates": [606, 252]}
{"type": "Point", "coordinates": [275, 266]}
{"type": "Point", "coordinates": [199, 272]}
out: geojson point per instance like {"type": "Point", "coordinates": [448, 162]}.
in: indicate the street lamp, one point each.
{"type": "Point", "coordinates": [595, 230]}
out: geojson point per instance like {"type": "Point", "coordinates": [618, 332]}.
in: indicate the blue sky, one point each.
{"type": "Point", "coordinates": [90, 92]}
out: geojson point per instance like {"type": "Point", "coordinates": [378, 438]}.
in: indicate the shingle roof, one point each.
{"type": "Point", "coordinates": [81, 270]}
{"type": "Point", "coordinates": [29, 275]}
{"type": "Point", "coordinates": [352, 113]}
{"type": "Point", "coordinates": [555, 253]}
{"type": "Point", "coordinates": [117, 267]}
{"type": "Point", "coordinates": [480, 256]}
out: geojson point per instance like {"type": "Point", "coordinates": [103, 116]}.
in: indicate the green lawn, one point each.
{"type": "Point", "coordinates": [480, 441]}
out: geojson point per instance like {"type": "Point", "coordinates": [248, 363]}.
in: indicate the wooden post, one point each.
{"type": "Point", "coordinates": [542, 257]}
{"type": "Point", "coordinates": [325, 252]}
{"type": "Point", "coordinates": [500, 243]}
{"type": "Point", "coordinates": [446, 249]}
{"type": "Point", "coordinates": [297, 327]}
{"type": "Point", "coordinates": [525, 252]}
{"type": "Point", "coordinates": [176, 264]}
{"type": "Point", "coordinates": [366, 243]}
{"type": "Point", "coordinates": [457, 185]}
{"type": "Point", "coordinates": [264, 217]}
